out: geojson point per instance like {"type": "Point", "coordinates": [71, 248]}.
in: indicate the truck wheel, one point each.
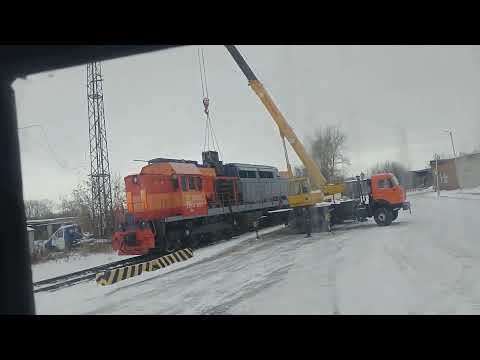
{"type": "Point", "coordinates": [395, 215]}
{"type": "Point", "coordinates": [383, 216]}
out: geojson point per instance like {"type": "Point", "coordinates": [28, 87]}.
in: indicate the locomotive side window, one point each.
{"type": "Point", "coordinates": [199, 183]}
{"type": "Point", "coordinates": [243, 174]}
{"type": "Point", "coordinates": [174, 183]}
{"type": "Point", "coordinates": [252, 174]}
{"type": "Point", "coordinates": [184, 183]}
{"type": "Point", "coordinates": [191, 183]}
{"type": "Point", "coordinates": [266, 174]}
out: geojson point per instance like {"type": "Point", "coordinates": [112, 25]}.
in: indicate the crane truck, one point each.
{"type": "Point", "coordinates": [380, 197]}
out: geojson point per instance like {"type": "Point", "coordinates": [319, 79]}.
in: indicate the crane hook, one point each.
{"type": "Point", "coordinates": [206, 102]}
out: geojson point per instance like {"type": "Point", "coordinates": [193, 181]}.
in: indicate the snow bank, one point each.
{"type": "Point", "coordinates": [467, 194]}
{"type": "Point", "coordinates": [420, 192]}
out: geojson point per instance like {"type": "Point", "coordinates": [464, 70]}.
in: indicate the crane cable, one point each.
{"type": "Point", "coordinates": [209, 137]}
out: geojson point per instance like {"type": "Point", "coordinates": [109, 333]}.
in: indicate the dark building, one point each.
{"type": "Point", "coordinates": [468, 170]}
{"type": "Point", "coordinates": [447, 174]}
{"type": "Point", "coordinates": [420, 179]}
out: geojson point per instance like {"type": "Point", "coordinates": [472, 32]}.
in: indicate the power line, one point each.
{"type": "Point", "coordinates": [50, 148]}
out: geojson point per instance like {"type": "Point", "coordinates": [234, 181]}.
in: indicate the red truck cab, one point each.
{"type": "Point", "coordinates": [387, 197]}
{"type": "Point", "coordinates": [385, 187]}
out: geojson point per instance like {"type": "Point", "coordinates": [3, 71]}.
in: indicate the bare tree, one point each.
{"type": "Point", "coordinates": [38, 209]}
{"type": "Point", "coordinates": [118, 193]}
{"type": "Point", "coordinates": [328, 149]}
{"type": "Point", "coordinates": [119, 199]}
{"type": "Point", "coordinates": [79, 204]}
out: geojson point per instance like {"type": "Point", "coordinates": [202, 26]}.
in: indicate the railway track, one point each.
{"type": "Point", "coordinates": [76, 277]}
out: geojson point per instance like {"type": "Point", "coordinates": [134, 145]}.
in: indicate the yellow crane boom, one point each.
{"type": "Point", "coordinates": [317, 180]}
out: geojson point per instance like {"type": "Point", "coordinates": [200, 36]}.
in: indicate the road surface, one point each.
{"type": "Point", "coordinates": [424, 263]}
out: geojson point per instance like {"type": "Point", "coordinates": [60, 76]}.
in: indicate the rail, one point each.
{"type": "Point", "coordinates": [76, 277]}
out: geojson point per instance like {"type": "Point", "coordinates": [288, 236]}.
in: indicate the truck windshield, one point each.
{"type": "Point", "coordinates": [394, 181]}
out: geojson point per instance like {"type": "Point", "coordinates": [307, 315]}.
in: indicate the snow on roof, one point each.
{"type": "Point", "coordinates": [421, 170]}
{"type": "Point", "coordinates": [30, 228]}
{"type": "Point", "coordinates": [52, 220]}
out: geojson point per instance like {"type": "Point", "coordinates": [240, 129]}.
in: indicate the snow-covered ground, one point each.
{"type": "Point", "coordinates": [467, 194]}
{"type": "Point", "coordinates": [71, 264]}
{"type": "Point", "coordinates": [79, 297]}
{"type": "Point", "coordinates": [426, 262]}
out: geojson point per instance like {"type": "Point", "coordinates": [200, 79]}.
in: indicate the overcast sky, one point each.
{"type": "Point", "coordinates": [153, 107]}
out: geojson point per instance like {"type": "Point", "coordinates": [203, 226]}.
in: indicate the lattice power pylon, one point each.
{"type": "Point", "coordinates": [101, 186]}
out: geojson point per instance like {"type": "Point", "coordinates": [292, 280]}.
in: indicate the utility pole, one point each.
{"type": "Point", "coordinates": [451, 139]}
{"type": "Point", "coordinates": [101, 187]}
{"type": "Point", "coordinates": [437, 176]}
{"type": "Point", "coordinates": [454, 156]}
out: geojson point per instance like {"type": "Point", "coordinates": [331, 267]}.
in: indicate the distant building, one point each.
{"type": "Point", "coordinates": [447, 174]}
{"type": "Point", "coordinates": [31, 237]}
{"type": "Point", "coordinates": [420, 178]}
{"type": "Point", "coordinates": [468, 170]}
{"type": "Point", "coordinates": [461, 172]}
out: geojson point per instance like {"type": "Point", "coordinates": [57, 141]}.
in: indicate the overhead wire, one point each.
{"type": "Point", "coordinates": [50, 149]}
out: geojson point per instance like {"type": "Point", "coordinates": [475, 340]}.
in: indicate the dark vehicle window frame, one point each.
{"type": "Point", "coordinates": [198, 183]}
{"type": "Point", "coordinates": [191, 183]}
{"type": "Point", "coordinates": [175, 184]}
{"type": "Point", "coordinates": [265, 174]}
{"type": "Point", "coordinates": [394, 181]}
{"type": "Point", "coordinates": [381, 184]}
{"type": "Point", "coordinates": [184, 183]}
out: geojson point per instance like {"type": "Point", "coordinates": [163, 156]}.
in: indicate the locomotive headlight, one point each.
{"type": "Point", "coordinates": [135, 179]}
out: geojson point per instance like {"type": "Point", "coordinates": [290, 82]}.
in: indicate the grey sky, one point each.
{"type": "Point", "coordinates": [153, 107]}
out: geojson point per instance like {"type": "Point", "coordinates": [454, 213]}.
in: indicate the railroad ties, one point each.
{"type": "Point", "coordinates": [113, 276]}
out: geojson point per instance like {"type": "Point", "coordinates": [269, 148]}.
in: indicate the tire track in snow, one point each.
{"type": "Point", "coordinates": [339, 238]}
{"type": "Point", "coordinates": [332, 275]}
{"type": "Point", "coordinates": [461, 287]}
{"type": "Point", "coordinates": [215, 285]}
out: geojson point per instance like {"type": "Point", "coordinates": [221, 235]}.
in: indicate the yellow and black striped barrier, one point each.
{"type": "Point", "coordinates": [113, 276]}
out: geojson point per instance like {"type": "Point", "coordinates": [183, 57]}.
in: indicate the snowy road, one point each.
{"type": "Point", "coordinates": [427, 262]}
